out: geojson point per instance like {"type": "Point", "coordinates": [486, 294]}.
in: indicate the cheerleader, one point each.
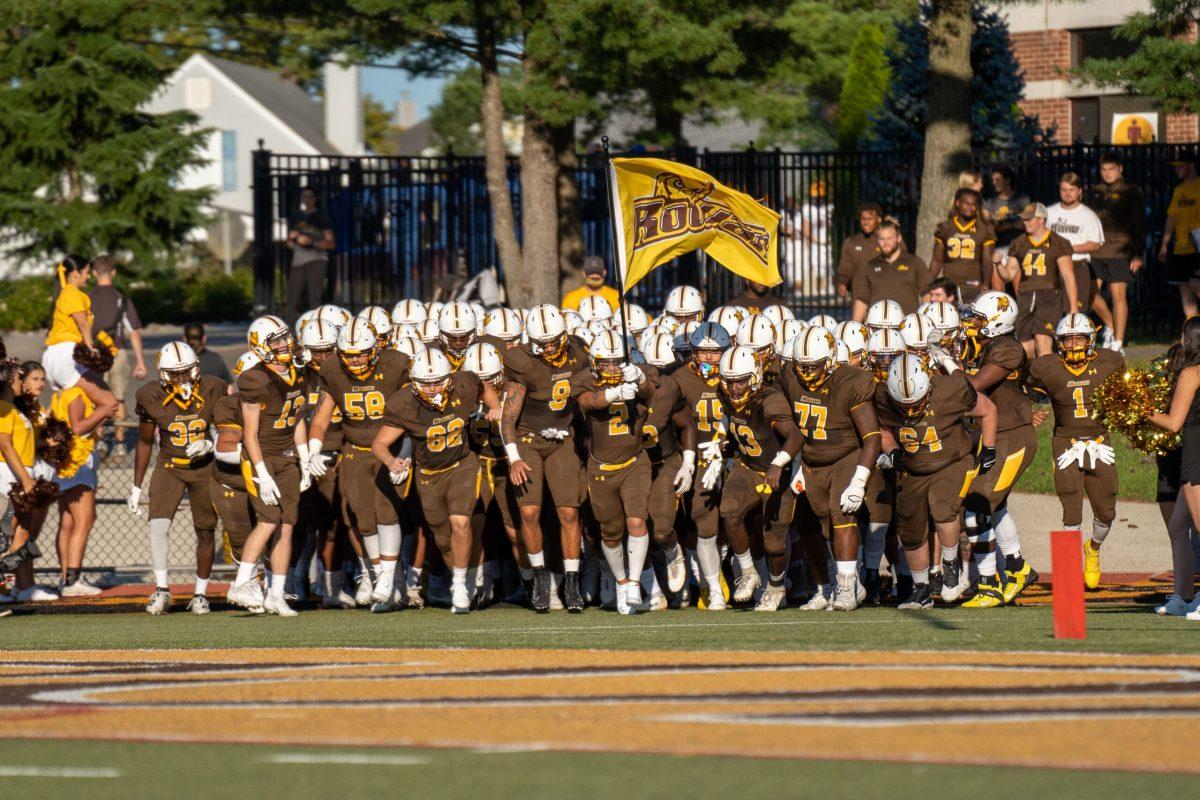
{"type": "Point", "coordinates": [70, 338]}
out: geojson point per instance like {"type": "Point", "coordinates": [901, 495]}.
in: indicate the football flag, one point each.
{"type": "Point", "coordinates": [663, 209]}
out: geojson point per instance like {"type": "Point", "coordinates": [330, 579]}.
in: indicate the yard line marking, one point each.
{"type": "Point", "coordinates": [355, 759]}
{"type": "Point", "coordinates": [668, 625]}
{"type": "Point", "coordinates": [58, 772]}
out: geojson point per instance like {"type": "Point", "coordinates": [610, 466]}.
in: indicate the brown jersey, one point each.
{"type": "Point", "coordinates": [440, 437]}
{"type": "Point", "coordinates": [179, 424]}
{"type": "Point", "coordinates": [938, 437]}
{"type": "Point", "coordinates": [227, 413]}
{"type": "Point", "coordinates": [702, 398]}
{"type": "Point", "coordinates": [361, 401]}
{"type": "Point", "coordinates": [1038, 261]}
{"type": "Point", "coordinates": [1014, 409]}
{"type": "Point", "coordinates": [548, 401]}
{"type": "Point", "coordinates": [333, 439]}
{"type": "Point", "coordinates": [615, 431]}
{"type": "Point", "coordinates": [963, 244]}
{"type": "Point", "coordinates": [485, 438]}
{"type": "Point", "coordinates": [1071, 390]}
{"type": "Point", "coordinates": [824, 414]}
{"type": "Point", "coordinates": [752, 430]}
{"type": "Point", "coordinates": [658, 434]}
{"type": "Point", "coordinates": [281, 400]}
{"type": "Point", "coordinates": [903, 280]}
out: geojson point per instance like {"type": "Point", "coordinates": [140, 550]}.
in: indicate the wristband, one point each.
{"type": "Point", "coordinates": [781, 459]}
{"type": "Point", "coordinates": [514, 455]}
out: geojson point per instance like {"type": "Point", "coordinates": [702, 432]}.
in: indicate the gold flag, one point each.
{"type": "Point", "coordinates": [664, 209]}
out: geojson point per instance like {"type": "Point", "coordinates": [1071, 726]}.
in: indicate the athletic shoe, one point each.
{"type": "Point", "coordinates": [198, 604]}
{"type": "Point", "coordinates": [556, 603]}
{"type": "Point", "coordinates": [539, 596]}
{"type": "Point", "coordinates": [247, 595]}
{"type": "Point", "coordinates": [160, 602]}
{"type": "Point", "coordinates": [1176, 606]}
{"type": "Point", "coordinates": [629, 598]}
{"type": "Point", "coordinates": [389, 603]}
{"type": "Point", "coordinates": [274, 604]}
{"type": "Point", "coordinates": [954, 581]}
{"type": "Point", "coordinates": [1194, 616]}
{"type": "Point", "coordinates": [935, 583]}
{"type": "Point", "coordinates": [677, 572]}
{"type": "Point", "coordinates": [655, 602]}
{"type": "Point", "coordinates": [745, 586]}
{"type": "Point", "coordinates": [713, 601]}
{"type": "Point", "coordinates": [35, 594]}
{"type": "Point", "coordinates": [860, 591]}
{"type": "Point", "coordinates": [79, 588]}
{"type": "Point", "coordinates": [987, 595]}
{"type": "Point", "coordinates": [1091, 565]}
{"type": "Point", "coordinates": [572, 596]}
{"type": "Point", "coordinates": [846, 598]}
{"type": "Point", "coordinates": [772, 598]}
{"type": "Point", "coordinates": [1019, 581]}
{"type": "Point", "coordinates": [872, 584]}
{"type": "Point", "coordinates": [362, 595]}
{"type": "Point", "coordinates": [460, 599]}
{"type": "Point", "coordinates": [381, 592]}
{"type": "Point", "coordinates": [412, 593]}
{"type": "Point", "coordinates": [290, 592]}
{"type": "Point", "coordinates": [338, 599]}
{"type": "Point", "coordinates": [919, 600]}
{"type": "Point", "coordinates": [819, 601]}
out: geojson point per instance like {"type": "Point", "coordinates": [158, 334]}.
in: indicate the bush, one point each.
{"type": "Point", "coordinates": [26, 304]}
{"type": "Point", "coordinates": [215, 296]}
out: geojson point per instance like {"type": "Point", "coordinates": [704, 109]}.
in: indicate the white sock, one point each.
{"type": "Point", "coordinates": [985, 563]}
{"type": "Point", "coordinates": [161, 579]}
{"type": "Point", "coordinates": [649, 581]}
{"type": "Point", "coordinates": [920, 576]}
{"type": "Point", "coordinates": [873, 545]}
{"type": "Point", "coordinates": [159, 549]}
{"type": "Point", "coordinates": [570, 565]}
{"type": "Point", "coordinates": [389, 540]}
{"type": "Point", "coordinates": [201, 586]}
{"type": "Point", "coordinates": [1006, 533]}
{"type": "Point", "coordinates": [537, 559]}
{"type": "Point", "coordinates": [847, 567]}
{"type": "Point", "coordinates": [745, 561]}
{"type": "Point", "coordinates": [636, 548]}
{"type": "Point", "coordinates": [387, 567]}
{"type": "Point", "coordinates": [460, 576]}
{"type": "Point", "coordinates": [614, 555]}
{"type": "Point", "coordinates": [278, 581]}
{"type": "Point", "coordinates": [244, 573]}
{"type": "Point", "coordinates": [694, 566]}
{"type": "Point", "coordinates": [371, 545]}
{"type": "Point", "coordinates": [710, 561]}
{"type": "Point", "coordinates": [949, 553]}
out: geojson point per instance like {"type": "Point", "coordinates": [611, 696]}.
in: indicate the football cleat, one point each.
{"type": "Point", "coordinates": [539, 595]}
{"type": "Point", "coordinates": [772, 598]}
{"type": "Point", "coordinates": [460, 599]}
{"type": "Point", "coordinates": [362, 595]}
{"type": "Point", "coordinates": [954, 581]}
{"type": "Point", "coordinates": [246, 595]}
{"type": "Point", "coordinates": [78, 588]}
{"type": "Point", "coordinates": [382, 591]}
{"type": "Point", "coordinates": [872, 584]}
{"type": "Point", "coordinates": [987, 595]}
{"type": "Point", "coordinates": [572, 596]}
{"type": "Point", "coordinates": [706, 599]}
{"type": "Point", "coordinates": [745, 586]}
{"type": "Point", "coordinates": [919, 600]}
{"type": "Point", "coordinates": [290, 592]}
{"type": "Point", "coordinates": [1091, 565]}
{"type": "Point", "coordinates": [846, 596]}
{"type": "Point", "coordinates": [556, 603]}
{"type": "Point", "coordinates": [1019, 581]}
{"type": "Point", "coordinates": [412, 590]}
{"type": "Point", "coordinates": [655, 602]}
{"type": "Point", "coordinates": [198, 604]}
{"type": "Point", "coordinates": [160, 602]}
{"type": "Point", "coordinates": [629, 598]}
{"type": "Point", "coordinates": [275, 604]}
{"type": "Point", "coordinates": [677, 572]}
{"type": "Point", "coordinates": [819, 601]}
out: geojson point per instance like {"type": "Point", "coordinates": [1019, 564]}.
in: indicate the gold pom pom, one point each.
{"type": "Point", "coordinates": [1125, 401]}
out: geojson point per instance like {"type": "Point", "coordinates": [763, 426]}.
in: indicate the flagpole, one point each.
{"type": "Point", "coordinates": [618, 257]}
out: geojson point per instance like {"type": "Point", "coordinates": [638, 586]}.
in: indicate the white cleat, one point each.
{"type": "Point", "coordinates": [275, 604]}
{"type": "Point", "coordinates": [629, 598]}
{"type": "Point", "coordinates": [362, 595]}
{"type": "Point", "coordinates": [460, 599]}
{"type": "Point", "coordinates": [35, 594]}
{"type": "Point", "coordinates": [198, 604]}
{"type": "Point", "coordinates": [677, 573]}
{"type": "Point", "coordinates": [387, 604]}
{"type": "Point", "coordinates": [745, 586]}
{"type": "Point", "coordinates": [412, 590]}
{"type": "Point", "coordinates": [381, 593]}
{"type": "Point", "coordinates": [954, 581]}
{"type": "Point", "coordinates": [818, 602]}
{"type": "Point", "coordinates": [339, 599]}
{"type": "Point", "coordinates": [556, 603]}
{"type": "Point", "coordinates": [655, 602]}
{"type": "Point", "coordinates": [716, 599]}
{"type": "Point", "coordinates": [247, 595]}
{"type": "Point", "coordinates": [846, 597]}
{"type": "Point", "coordinates": [160, 602]}
{"type": "Point", "coordinates": [772, 598]}
{"type": "Point", "coordinates": [80, 588]}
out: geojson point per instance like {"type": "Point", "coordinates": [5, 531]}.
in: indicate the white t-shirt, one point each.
{"type": "Point", "coordinates": [1076, 225]}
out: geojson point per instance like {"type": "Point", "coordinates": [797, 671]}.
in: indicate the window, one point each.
{"type": "Point", "coordinates": [197, 93]}
{"type": "Point", "coordinates": [1099, 43]}
{"type": "Point", "coordinates": [229, 182]}
{"type": "Point", "coordinates": [1085, 120]}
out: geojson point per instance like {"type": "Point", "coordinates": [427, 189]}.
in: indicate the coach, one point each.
{"type": "Point", "coordinates": [891, 275]}
{"type": "Point", "coordinates": [1122, 211]}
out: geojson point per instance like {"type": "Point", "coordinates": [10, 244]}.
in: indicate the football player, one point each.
{"type": "Point", "coordinates": [962, 247]}
{"type": "Point", "coordinates": [434, 411]}
{"type": "Point", "coordinates": [356, 387]}
{"type": "Point", "coordinates": [922, 420]}
{"type": "Point", "coordinates": [536, 426]}
{"type": "Point", "coordinates": [179, 408]}
{"type": "Point", "coordinates": [503, 325]}
{"type": "Point", "coordinates": [1085, 460]}
{"type": "Point", "coordinates": [758, 423]}
{"type": "Point", "coordinates": [884, 314]}
{"type": "Point", "coordinates": [834, 410]}
{"type": "Point", "coordinates": [883, 347]}
{"type": "Point", "coordinates": [1043, 277]}
{"type": "Point", "coordinates": [683, 305]}
{"type": "Point", "coordinates": [457, 330]}
{"type": "Point", "coordinates": [758, 333]}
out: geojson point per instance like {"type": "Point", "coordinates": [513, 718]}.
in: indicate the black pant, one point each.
{"type": "Point", "coordinates": [309, 279]}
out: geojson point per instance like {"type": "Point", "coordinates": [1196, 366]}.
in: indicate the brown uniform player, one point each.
{"type": "Point", "coordinates": [1084, 458]}
{"type": "Point", "coordinates": [357, 387]}
{"type": "Point", "coordinates": [833, 408]}
{"type": "Point", "coordinates": [274, 460]}
{"type": "Point", "coordinates": [922, 420]}
{"type": "Point", "coordinates": [435, 411]}
{"type": "Point", "coordinates": [1043, 277]}
{"type": "Point", "coordinates": [758, 424]}
{"type": "Point", "coordinates": [997, 365]}
{"type": "Point", "coordinates": [179, 408]}
{"type": "Point", "coordinates": [962, 247]}
{"type": "Point", "coordinates": [543, 455]}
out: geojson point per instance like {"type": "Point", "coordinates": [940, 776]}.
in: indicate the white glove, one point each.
{"type": "Point", "coordinates": [614, 394]}
{"type": "Point", "coordinates": [631, 374]}
{"type": "Point", "coordinates": [943, 359]}
{"type": "Point", "coordinates": [687, 471]}
{"type": "Point", "coordinates": [1102, 453]}
{"type": "Point", "coordinates": [853, 496]}
{"type": "Point", "coordinates": [318, 463]}
{"type": "Point", "coordinates": [268, 491]}
{"type": "Point", "coordinates": [710, 450]}
{"type": "Point", "coordinates": [628, 391]}
{"type": "Point", "coordinates": [398, 477]}
{"type": "Point", "coordinates": [199, 448]}
{"type": "Point", "coordinates": [134, 501]}
{"type": "Point", "coordinates": [796, 482]}
{"type": "Point", "coordinates": [1073, 455]}
{"type": "Point", "coordinates": [305, 478]}
{"type": "Point", "coordinates": [884, 461]}
{"type": "Point", "coordinates": [711, 478]}
{"type": "Point", "coordinates": [555, 434]}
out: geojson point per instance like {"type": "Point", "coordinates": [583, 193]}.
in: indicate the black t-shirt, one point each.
{"type": "Point", "coordinates": [113, 313]}
{"type": "Point", "coordinates": [313, 224]}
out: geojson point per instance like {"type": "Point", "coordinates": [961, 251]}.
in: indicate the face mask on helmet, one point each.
{"type": "Point", "coordinates": [706, 362]}
{"type": "Point", "coordinates": [915, 410]}
{"type": "Point", "coordinates": [880, 363]}
{"type": "Point", "coordinates": [1075, 349]}
{"type": "Point", "coordinates": [432, 393]}
{"type": "Point", "coordinates": [457, 344]}
{"type": "Point", "coordinates": [181, 381]}
{"type": "Point", "coordinates": [814, 373]}
{"type": "Point", "coordinates": [359, 363]}
{"type": "Point", "coordinates": [606, 371]}
{"type": "Point", "coordinates": [282, 349]}
{"type": "Point", "coordinates": [553, 351]}
{"type": "Point", "coordinates": [738, 390]}
{"type": "Point", "coordinates": [317, 357]}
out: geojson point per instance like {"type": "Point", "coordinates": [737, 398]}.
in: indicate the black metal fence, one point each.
{"type": "Point", "coordinates": [403, 224]}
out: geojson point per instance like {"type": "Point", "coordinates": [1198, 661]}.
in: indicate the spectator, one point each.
{"type": "Point", "coordinates": [859, 248]}
{"type": "Point", "coordinates": [210, 362]}
{"type": "Point", "coordinates": [310, 240]}
{"type": "Point", "coordinates": [962, 246]}
{"type": "Point", "coordinates": [943, 290]}
{"type": "Point", "coordinates": [756, 297]}
{"type": "Point", "coordinates": [973, 180]}
{"type": "Point", "coordinates": [815, 219]}
{"type": "Point", "coordinates": [1122, 211]}
{"type": "Point", "coordinates": [1183, 225]}
{"type": "Point", "coordinates": [892, 275]}
{"type": "Point", "coordinates": [594, 273]}
{"type": "Point", "coordinates": [114, 313]}
{"type": "Point", "coordinates": [1040, 268]}
{"type": "Point", "coordinates": [1004, 209]}
{"type": "Point", "coordinates": [1080, 226]}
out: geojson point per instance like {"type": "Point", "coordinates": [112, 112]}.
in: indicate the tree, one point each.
{"type": "Point", "coordinates": [379, 129]}
{"type": "Point", "coordinates": [1166, 64]}
{"type": "Point", "coordinates": [456, 119]}
{"type": "Point", "coordinates": [82, 168]}
{"type": "Point", "coordinates": [864, 86]}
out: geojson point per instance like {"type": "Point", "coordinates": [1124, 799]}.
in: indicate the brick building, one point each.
{"type": "Point", "coordinates": [1051, 37]}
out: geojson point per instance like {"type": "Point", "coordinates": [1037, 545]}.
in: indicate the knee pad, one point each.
{"type": "Point", "coordinates": [978, 526]}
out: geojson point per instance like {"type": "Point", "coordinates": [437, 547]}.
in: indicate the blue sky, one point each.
{"type": "Point", "coordinates": [385, 85]}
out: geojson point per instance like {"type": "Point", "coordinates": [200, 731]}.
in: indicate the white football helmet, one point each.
{"type": "Point", "coordinates": [547, 332]}
{"type": "Point", "coordinates": [572, 318]}
{"type": "Point", "coordinates": [480, 314]}
{"type": "Point", "coordinates": [684, 303]}
{"type": "Point", "coordinates": [758, 333]}
{"type": "Point", "coordinates": [636, 319]}
{"type": "Point", "coordinates": [682, 342]}
{"type": "Point", "coordinates": [885, 314]}
{"type": "Point", "coordinates": [271, 340]}
{"type": "Point", "coordinates": [947, 326]}
{"type": "Point", "coordinates": [302, 320]}
{"type": "Point", "coordinates": [855, 336]}
{"type": "Point", "coordinates": [607, 355]}
{"type": "Point", "coordinates": [433, 308]}
{"type": "Point", "coordinates": [645, 336]}
{"type": "Point", "coordinates": [824, 321]}
{"type": "Point", "coordinates": [585, 334]}
{"type": "Point", "coordinates": [457, 328]}
{"type": "Point", "coordinates": [593, 308]}
{"type": "Point", "coordinates": [916, 330]}
{"type": "Point", "coordinates": [358, 347]}
{"type": "Point", "coordinates": [992, 314]}
{"type": "Point", "coordinates": [504, 324]}
{"type": "Point", "coordinates": [409, 312]}
{"type": "Point", "coordinates": [1076, 338]}
{"type": "Point", "coordinates": [319, 336]}
{"type": "Point", "coordinates": [659, 350]}
{"type": "Point", "coordinates": [483, 359]}
{"type": "Point", "coordinates": [778, 315]}
{"type": "Point", "coordinates": [814, 354]}
{"type": "Point", "coordinates": [793, 328]}
{"type": "Point", "coordinates": [336, 315]}
{"type": "Point", "coordinates": [728, 317]}
{"type": "Point", "coordinates": [380, 320]}
{"type": "Point", "coordinates": [909, 385]}
{"type": "Point", "coordinates": [245, 361]}
{"type": "Point", "coordinates": [428, 331]}
{"type": "Point", "coordinates": [178, 369]}
{"type": "Point", "coordinates": [409, 345]}
{"type": "Point", "coordinates": [599, 326]}
{"type": "Point", "coordinates": [884, 346]}
{"type": "Point", "coordinates": [741, 375]}
{"type": "Point", "coordinates": [430, 373]}
{"type": "Point", "coordinates": [843, 353]}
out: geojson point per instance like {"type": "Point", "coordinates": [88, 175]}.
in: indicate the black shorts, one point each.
{"type": "Point", "coordinates": [1183, 268]}
{"type": "Point", "coordinates": [1111, 270]}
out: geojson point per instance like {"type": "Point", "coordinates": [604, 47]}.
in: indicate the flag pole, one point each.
{"type": "Point", "coordinates": [618, 257]}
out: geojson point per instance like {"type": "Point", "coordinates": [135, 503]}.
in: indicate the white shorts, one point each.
{"type": "Point", "coordinates": [61, 370]}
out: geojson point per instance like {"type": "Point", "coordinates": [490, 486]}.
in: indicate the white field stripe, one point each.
{"type": "Point", "coordinates": [658, 628]}
{"type": "Point", "coordinates": [355, 759]}
{"type": "Point", "coordinates": [7, 771]}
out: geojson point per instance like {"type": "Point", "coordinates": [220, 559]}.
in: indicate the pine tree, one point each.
{"type": "Point", "coordinates": [864, 86]}
{"type": "Point", "coordinates": [82, 168]}
{"type": "Point", "coordinates": [996, 87]}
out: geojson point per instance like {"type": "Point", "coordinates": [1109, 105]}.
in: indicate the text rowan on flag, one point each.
{"type": "Point", "coordinates": [664, 209]}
